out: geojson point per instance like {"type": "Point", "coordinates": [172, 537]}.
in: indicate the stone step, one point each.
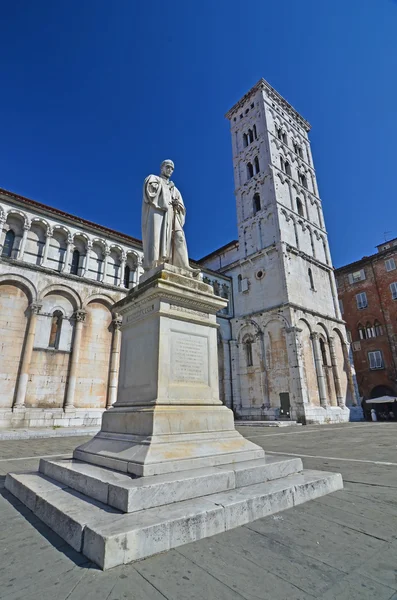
{"type": "Point", "coordinates": [110, 538]}
{"type": "Point", "coordinates": [131, 494]}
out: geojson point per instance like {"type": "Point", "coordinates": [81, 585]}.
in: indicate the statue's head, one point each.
{"type": "Point", "coordinates": [167, 168]}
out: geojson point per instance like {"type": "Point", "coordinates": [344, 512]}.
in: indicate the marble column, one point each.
{"type": "Point", "coordinates": [114, 362]}
{"type": "Point", "coordinates": [318, 361]}
{"type": "Point", "coordinates": [228, 376]}
{"type": "Point", "coordinates": [339, 396]}
{"type": "Point", "coordinates": [46, 247]}
{"type": "Point", "coordinates": [74, 359]}
{"type": "Point", "coordinates": [21, 251]}
{"type": "Point", "coordinates": [27, 356]}
{"type": "Point", "coordinates": [105, 265]}
{"type": "Point", "coordinates": [122, 269]}
{"type": "Point", "coordinates": [69, 250]}
{"type": "Point", "coordinates": [86, 259]}
{"type": "Point", "coordinates": [296, 365]}
{"type": "Point", "coordinates": [235, 375]}
{"type": "Point", "coordinates": [2, 221]}
{"type": "Point", "coordinates": [350, 381]}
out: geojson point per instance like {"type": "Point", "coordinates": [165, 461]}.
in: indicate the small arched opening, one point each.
{"type": "Point", "coordinates": [55, 331]}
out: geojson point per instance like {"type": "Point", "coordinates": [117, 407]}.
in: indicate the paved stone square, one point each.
{"type": "Point", "coordinates": [341, 546]}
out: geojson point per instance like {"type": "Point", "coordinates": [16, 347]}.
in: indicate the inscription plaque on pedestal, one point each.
{"type": "Point", "coordinates": [189, 358]}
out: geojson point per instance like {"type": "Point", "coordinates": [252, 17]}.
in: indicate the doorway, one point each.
{"type": "Point", "coordinates": [285, 406]}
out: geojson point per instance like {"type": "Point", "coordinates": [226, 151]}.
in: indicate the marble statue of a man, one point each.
{"type": "Point", "coordinates": [163, 217]}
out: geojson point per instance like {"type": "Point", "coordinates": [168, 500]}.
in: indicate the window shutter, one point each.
{"type": "Point", "coordinates": [372, 360]}
{"type": "Point", "coordinates": [362, 273]}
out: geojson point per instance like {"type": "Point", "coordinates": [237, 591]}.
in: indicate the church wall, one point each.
{"type": "Point", "coordinates": [318, 299]}
{"type": "Point", "coordinates": [94, 362]}
{"type": "Point", "coordinates": [309, 369]}
{"type": "Point", "coordinates": [47, 379]}
{"type": "Point", "coordinates": [38, 272]}
{"type": "Point", "coordinates": [276, 361]}
{"type": "Point", "coordinates": [13, 307]}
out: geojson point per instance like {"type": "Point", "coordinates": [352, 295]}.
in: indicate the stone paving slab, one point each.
{"type": "Point", "coordinates": [48, 432]}
{"type": "Point", "coordinates": [326, 561]}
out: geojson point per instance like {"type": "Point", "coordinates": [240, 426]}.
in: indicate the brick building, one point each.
{"type": "Point", "coordinates": [367, 291]}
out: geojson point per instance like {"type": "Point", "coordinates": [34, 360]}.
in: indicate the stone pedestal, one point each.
{"type": "Point", "coordinates": [168, 416]}
{"type": "Point", "coordinates": [168, 466]}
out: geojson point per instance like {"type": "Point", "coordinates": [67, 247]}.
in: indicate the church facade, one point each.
{"type": "Point", "coordinates": [282, 346]}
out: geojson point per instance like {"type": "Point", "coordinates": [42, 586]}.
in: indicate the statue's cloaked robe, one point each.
{"type": "Point", "coordinates": [157, 224]}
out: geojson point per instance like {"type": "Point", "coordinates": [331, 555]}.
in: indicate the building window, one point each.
{"type": "Point", "coordinates": [248, 353]}
{"type": "Point", "coordinates": [245, 140]}
{"type": "Point", "coordinates": [393, 288]}
{"type": "Point", "coordinates": [8, 244]}
{"type": "Point", "coordinates": [55, 332]}
{"type": "Point", "coordinates": [256, 164]}
{"type": "Point", "coordinates": [376, 360]}
{"type": "Point", "coordinates": [279, 133]}
{"type": "Point", "coordinates": [390, 264]}
{"type": "Point", "coordinates": [378, 329]}
{"type": "Point", "coordinates": [298, 150]}
{"type": "Point", "coordinates": [256, 203]}
{"type": "Point", "coordinates": [299, 207]}
{"type": "Point", "coordinates": [250, 136]}
{"type": "Point", "coordinates": [287, 168]}
{"type": "Point", "coordinates": [250, 171]}
{"type": "Point", "coordinates": [370, 330]}
{"type": "Point", "coordinates": [311, 279]}
{"type": "Point", "coordinates": [357, 276]}
{"type": "Point", "coordinates": [255, 133]}
{"type": "Point", "coordinates": [362, 333]}
{"type": "Point", "coordinates": [74, 269]}
{"type": "Point", "coordinates": [127, 275]}
{"type": "Point", "coordinates": [302, 179]}
{"type": "Point", "coordinates": [323, 352]}
{"type": "Point", "coordinates": [239, 280]}
{"type": "Point", "coordinates": [361, 300]}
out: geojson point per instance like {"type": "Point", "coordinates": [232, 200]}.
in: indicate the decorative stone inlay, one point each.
{"type": "Point", "coordinates": [80, 315]}
{"type": "Point", "coordinates": [35, 307]}
{"type": "Point", "coordinates": [139, 313]}
{"type": "Point", "coordinates": [191, 311]}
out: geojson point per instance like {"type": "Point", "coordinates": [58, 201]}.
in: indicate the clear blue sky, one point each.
{"type": "Point", "coordinates": [94, 94]}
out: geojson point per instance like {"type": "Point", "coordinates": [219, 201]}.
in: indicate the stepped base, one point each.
{"type": "Point", "coordinates": [179, 507]}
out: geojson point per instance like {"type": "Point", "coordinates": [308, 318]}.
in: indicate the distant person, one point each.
{"type": "Point", "coordinates": [373, 415]}
{"type": "Point", "coordinates": [394, 409]}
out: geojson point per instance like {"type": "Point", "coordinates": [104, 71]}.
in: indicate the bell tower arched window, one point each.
{"type": "Point", "coordinates": [255, 133]}
{"type": "Point", "coordinates": [250, 136]}
{"type": "Point", "coordinates": [55, 332]}
{"type": "Point", "coordinates": [311, 279]}
{"type": "Point", "coordinates": [256, 163]}
{"type": "Point", "coordinates": [299, 207]}
{"type": "Point", "coordinates": [8, 244]}
{"type": "Point", "coordinates": [74, 268]}
{"type": "Point", "coordinates": [245, 140]}
{"type": "Point", "coordinates": [250, 170]}
{"type": "Point", "coordinates": [256, 203]}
